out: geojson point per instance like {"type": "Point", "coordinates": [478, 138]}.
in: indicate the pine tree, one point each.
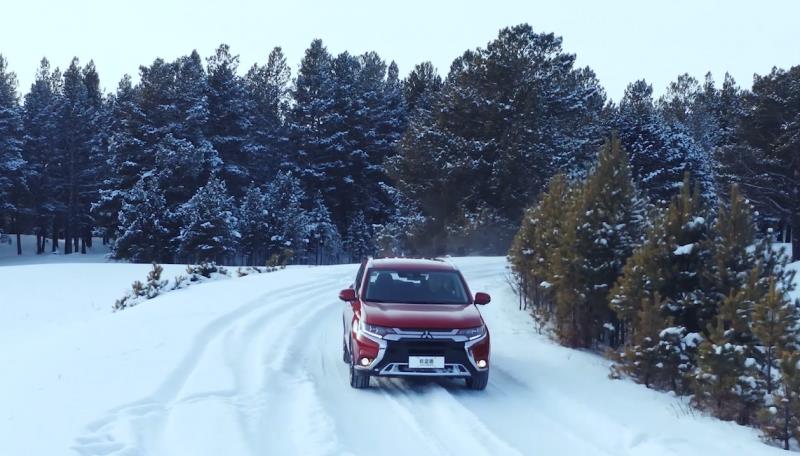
{"type": "Point", "coordinates": [732, 257]}
{"type": "Point", "coordinates": [324, 241]}
{"type": "Point", "coordinates": [268, 92]}
{"type": "Point", "coordinates": [287, 222]}
{"type": "Point", "coordinates": [641, 358]}
{"type": "Point", "coordinates": [507, 118]}
{"type": "Point", "coordinates": [775, 324]}
{"type": "Point", "coordinates": [726, 381]}
{"type": "Point", "coordinates": [688, 234]}
{"type": "Point", "coordinates": [659, 155]}
{"type": "Point", "coordinates": [421, 86]}
{"type": "Point", "coordinates": [764, 158]}
{"type": "Point", "coordinates": [642, 277]}
{"type": "Point", "coordinates": [537, 242]}
{"type": "Point", "coordinates": [311, 117]}
{"type": "Point", "coordinates": [75, 123]}
{"type": "Point", "coordinates": [208, 225]}
{"type": "Point", "coordinates": [673, 262]}
{"type": "Point", "coordinates": [781, 421]}
{"type": "Point", "coordinates": [569, 284]}
{"type": "Point", "coordinates": [128, 156]}
{"type": "Point", "coordinates": [254, 226]}
{"type": "Point", "coordinates": [608, 224]}
{"type": "Point", "coordinates": [13, 169]}
{"type": "Point", "coordinates": [358, 241]}
{"type": "Point", "coordinates": [143, 234]}
{"type": "Point", "coordinates": [396, 235]}
{"type": "Point", "coordinates": [228, 119]}
{"type": "Point", "coordinates": [39, 151]}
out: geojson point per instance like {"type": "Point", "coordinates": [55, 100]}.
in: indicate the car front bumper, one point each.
{"type": "Point", "coordinates": [389, 357]}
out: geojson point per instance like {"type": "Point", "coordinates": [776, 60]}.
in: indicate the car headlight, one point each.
{"type": "Point", "coordinates": [374, 330]}
{"type": "Point", "coordinates": [472, 333]}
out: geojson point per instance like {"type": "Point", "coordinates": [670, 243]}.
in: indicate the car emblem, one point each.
{"type": "Point", "coordinates": [427, 335]}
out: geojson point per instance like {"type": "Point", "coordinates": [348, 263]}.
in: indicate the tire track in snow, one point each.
{"type": "Point", "coordinates": [145, 415]}
{"type": "Point", "coordinates": [275, 344]}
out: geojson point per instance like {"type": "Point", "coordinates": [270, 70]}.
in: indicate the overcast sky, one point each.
{"type": "Point", "coordinates": [621, 40]}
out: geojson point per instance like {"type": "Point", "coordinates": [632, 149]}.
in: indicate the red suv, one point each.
{"type": "Point", "coordinates": [414, 318]}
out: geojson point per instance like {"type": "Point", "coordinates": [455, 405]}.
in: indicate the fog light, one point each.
{"type": "Point", "coordinates": [481, 363]}
{"type": "Point", "coordinates": [365, 361]}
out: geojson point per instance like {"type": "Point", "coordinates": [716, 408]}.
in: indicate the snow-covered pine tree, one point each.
{"type": "Point", "coordinates": [775, 325]}
{"type": "Point", "coordinates": [310, 119]}
{"type": "Point", "coordinates": [324, 240]}
{"type": "Point", "coordinates": [735, 233]}
{"type": "Point", "coordinates": [97, 167]}
{"type": "Point", "coordinates": [672, 261]}
{"type": "Point", "coordinates": [780, 421]}
{"type": "Point", "coordinates": [268, 92]}
{"type": "Point", "coordinates": [693, 111]}
{"type": "Point", "coordinates": [181, 168]}
{"type": "Point", "coordinates": [687, 238]}
{"type": "Point", "coordinates": [655, 356]}
{"type": "Point", "coordinates": [208, 225]}
{"type": "Point", "coordinates": [659, 155]}
{"type": "Point", "coordinates": [571, 322]}
{"type": "Point", "coordinates": [128, 156]}
{"type": "Point", "coordinates": [726, 381]}
{"type": "Point", "coordinates": [76, 128]}
{"type": "Point", "coordinates": [228, 119]}
{"type": "Point", "coordinates": [254, 226]}
{"type": "Point", "coordinates": [143, 235]}
{"type": "Point", "coordinates": [287, 221]}
{"type": "Point", "coordinates": [537, 242]}
{"type": "Point", "coordinates": [421, 86]}
{"type": "Point", "coordinates": [731, 354]}
{"type": "Point", "coordinates": [358, 241]}
{"type": "Point", "coordinates": [376, 127]}
{"type": "Point", "coordinates": [609, 224]}
{"type": "Point", "coordinates": [191, 100]}
{"type": "Point", "coordinates": [13, 169]}
{"type": "Point", "coordinates": [506, 119]}
{"type": "Point", "coordinates": [396, 236]}
{"type": "Point", "coordinates": [39, 145]}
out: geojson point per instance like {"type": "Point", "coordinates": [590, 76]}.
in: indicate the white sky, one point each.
{"type": "Point", "coordinates": [621, 40]}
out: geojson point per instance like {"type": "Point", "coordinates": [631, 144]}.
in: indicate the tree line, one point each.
{"type": "Point", "coordinates": [687, 297]}
{"type": "Point", "coordinates": [199, 160]}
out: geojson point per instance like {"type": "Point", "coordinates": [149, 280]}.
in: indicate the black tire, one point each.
{"type": "Point", "coordinates": [358, 380]}
{"type": "Point", "coordinates": [345, 353]}
{"type": "Point", "coordinates": [478, 380]}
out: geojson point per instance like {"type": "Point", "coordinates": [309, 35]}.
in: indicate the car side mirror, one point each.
{"type": "Point", "coordinates": [347, 295]}
{"type": "Point", "coordinates": [482, 298]}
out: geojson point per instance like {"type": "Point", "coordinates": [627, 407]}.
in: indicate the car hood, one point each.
{"type": "Point", "coordinates": [421, 316]}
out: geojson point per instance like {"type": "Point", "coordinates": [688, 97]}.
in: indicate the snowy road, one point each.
{"type": "Point", "coordinates": [252, 366]}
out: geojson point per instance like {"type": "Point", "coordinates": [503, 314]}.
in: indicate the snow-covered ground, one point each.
{"type": "Point", "coordinates": [253, 366]}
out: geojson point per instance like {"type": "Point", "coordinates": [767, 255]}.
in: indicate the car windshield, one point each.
{"type": "Point", "coordinates": [416, 287]}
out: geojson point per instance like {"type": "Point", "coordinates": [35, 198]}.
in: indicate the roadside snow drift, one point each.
{"type": "Point", "coordinates": [252, 366]}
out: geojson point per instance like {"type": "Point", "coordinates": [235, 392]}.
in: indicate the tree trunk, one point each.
{"type": "Point", "coordinates": [83, 246]}
{"type": "Point", "coordinates": [19, 243]}
{"type": "Point", "coordinates": [67, 239]}
{"type": "Point", "coordinates": [54, 247]}
{"type": "Point", "coordinates": [794, 234]}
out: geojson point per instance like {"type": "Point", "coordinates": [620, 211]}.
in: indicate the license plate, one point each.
{"type": "Point", "coordinates": [426, 362]}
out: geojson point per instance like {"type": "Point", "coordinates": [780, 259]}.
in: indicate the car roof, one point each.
{"type": "Point", "coordinates": [411, 264]}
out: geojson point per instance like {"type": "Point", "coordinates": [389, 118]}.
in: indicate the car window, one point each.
{"type": "Point", "coordinates": [416, 287]}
